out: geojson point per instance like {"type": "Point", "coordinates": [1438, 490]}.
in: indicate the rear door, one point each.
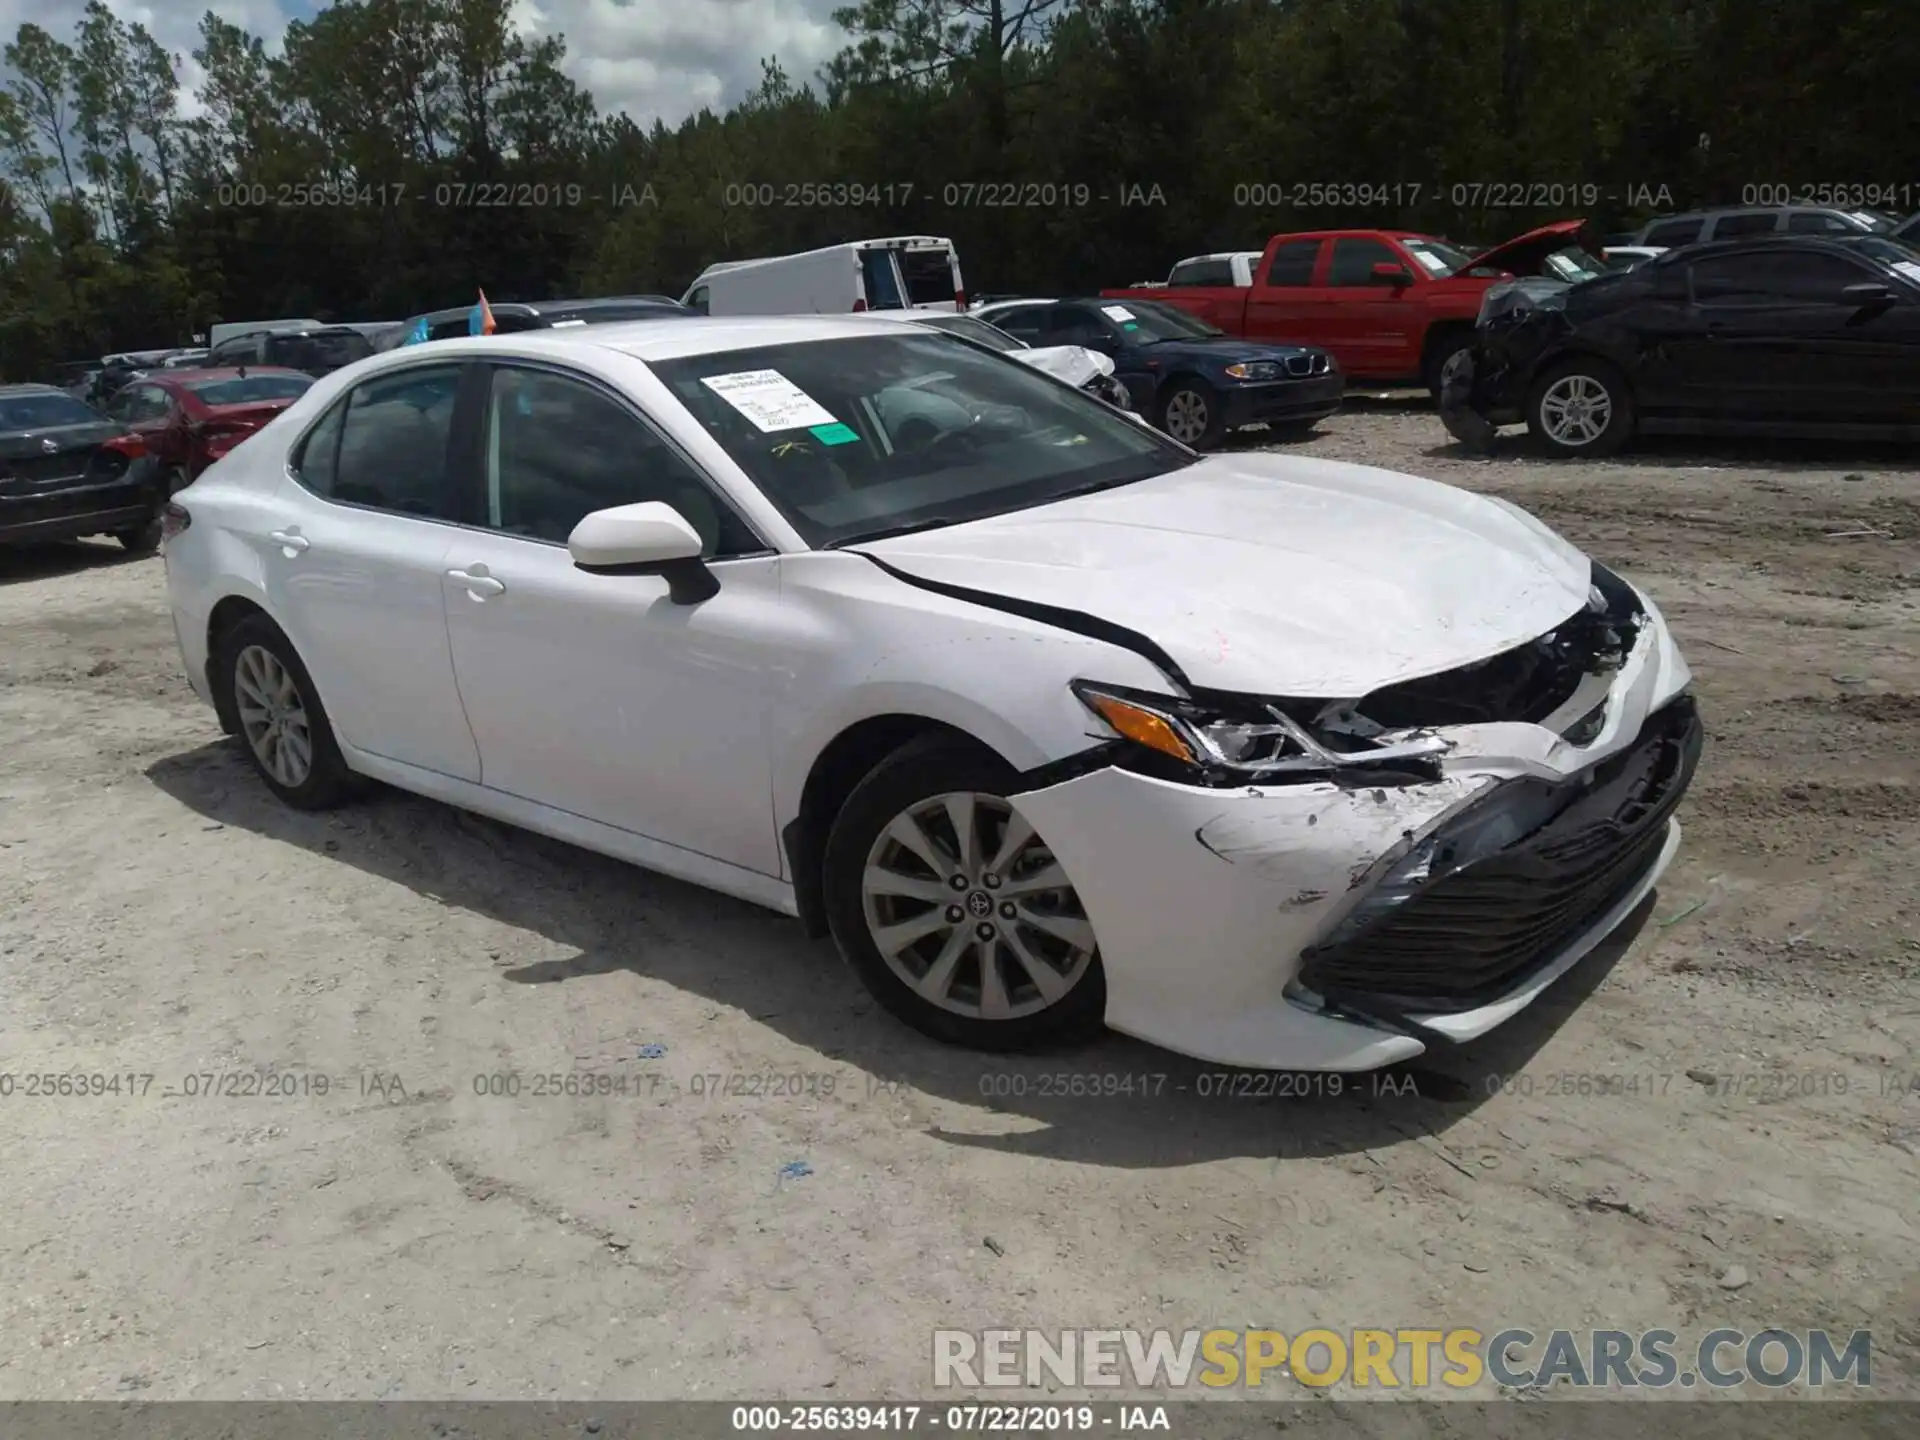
{"type": "Point", "coordinates": [353, 556]}
{"type": "Point", "coordinates": [1283, 304]}
{"type": "Point", "coordinates": [1365, 323]}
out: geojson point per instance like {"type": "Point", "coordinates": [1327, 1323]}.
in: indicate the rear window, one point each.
{"type": "Point", "coordinates": [43, 412]}
{"type": "Point", "coordinates": [318, 353]}
{"type": "Point", "coordinates": [1674, 232]}
{"type": "Point", "coordinates": [1202, 272]}
{"type": "Point", "coordinates": [928, 275]}
{"type": "Point", "coordinates": [250, 389]}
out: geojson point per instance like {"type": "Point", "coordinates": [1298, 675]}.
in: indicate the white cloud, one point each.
{"type": "Point", "coordinates": [662, 59]}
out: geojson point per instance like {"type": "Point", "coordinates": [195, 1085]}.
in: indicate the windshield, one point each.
{"type": "Point", "coordinates": [250, 389]}
{"type": "Point", "coordinates": [1573, 265]}
{"type": "Point", "coordinates": [1436, 257]}
{"type": "Point", "coordinates": [1150, 320]}
{"type": "Point", "coordinates": [978, 331]}
{"type": "Point", "coordinates": [44, 412]}
{"type": "Point", "coordinates": [854, 439]}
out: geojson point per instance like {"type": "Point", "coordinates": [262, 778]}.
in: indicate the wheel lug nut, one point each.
{"type": "Point", "coordinates": [1007, 912]}
{"type": "Point", "coordinates": [958, 882]}
{"type": "Point", "coordinates": [955, 915]}
{"type": "Point", "coordinates": [984, 931]}
{"type": "Point", "coordinates": [990, 880]}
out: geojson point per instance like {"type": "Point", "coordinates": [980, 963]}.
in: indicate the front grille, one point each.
{"type": "Point", "coordinates": [1471, 935]}
{"type": "Point", "coordinates": [38, 469]}
{"type": "Point", "coordinates": [1313, 363]}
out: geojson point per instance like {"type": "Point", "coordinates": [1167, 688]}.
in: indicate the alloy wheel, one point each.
{"type": "Point", "coordinates": [968, 906]}
{"type": "Point", "coordinates": [1187, 416]}
{"type": "Point", "coordinates": [273, 716]}
{"type": "Point", "coordinates": [1575, 410]}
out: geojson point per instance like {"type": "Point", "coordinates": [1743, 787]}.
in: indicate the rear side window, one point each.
{"type": "Point", "coordinates": [1815, 222]}
{"type": "Point", "coordinates": [1674, 232]}
{"type": "Point", "coordinates": [1293, 263]}
{"type": "Point", "coordinates": [388, 444]}
{"type": "Point", "coordinates": [1752, 222]}
{"type": "Point", "coordinates": [1202, 272]}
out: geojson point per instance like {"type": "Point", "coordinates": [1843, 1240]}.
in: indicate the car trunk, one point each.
{"type": "Point", "coordinates": [59, 455]}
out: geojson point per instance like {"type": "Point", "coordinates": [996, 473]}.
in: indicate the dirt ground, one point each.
{"type": "Point", "coordinates": [406, 1235]}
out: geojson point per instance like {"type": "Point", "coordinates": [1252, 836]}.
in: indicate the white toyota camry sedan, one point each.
{"type": "Point", "coordinates": [1048, 720]}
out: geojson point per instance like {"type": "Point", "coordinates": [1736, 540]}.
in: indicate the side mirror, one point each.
{"type": "Point", "coordinates": [651, 538]}
{"type": "Point", "coordinates": [1387, 273]}
{"type": "Point", "coordinates": [1870, 294]}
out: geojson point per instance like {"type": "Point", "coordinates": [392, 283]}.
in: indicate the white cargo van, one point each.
{"type": "Point", "coordinates": [907, 272]}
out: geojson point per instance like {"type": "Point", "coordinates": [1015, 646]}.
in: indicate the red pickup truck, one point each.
{"type": "Point", "coordinates": [1392, 306]}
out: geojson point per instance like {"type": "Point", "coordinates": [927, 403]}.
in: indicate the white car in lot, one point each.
{"type": "Point", "coordinates": [1048, 720]}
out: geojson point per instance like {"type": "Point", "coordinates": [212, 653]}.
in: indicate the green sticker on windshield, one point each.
{"type": "Point", "coordinates": [834, 434]}
{"type": "Point", "coordinates": [1131, 325]}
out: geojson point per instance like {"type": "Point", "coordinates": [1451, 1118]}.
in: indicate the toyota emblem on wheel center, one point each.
{"type": "Point", "coordinates": [980, 904]}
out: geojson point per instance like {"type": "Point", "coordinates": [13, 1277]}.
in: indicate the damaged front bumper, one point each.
{"type": "Point", "coordinates": [1345, 926]}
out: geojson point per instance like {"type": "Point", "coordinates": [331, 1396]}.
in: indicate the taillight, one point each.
{"type": "Point", "coordinates": [131, 446]}
{"type": "Point", "coordinates": [959, 299]}
{"type": "Point", "coordinates": [173, 519]}
{"type": "Point", "coordinates": [859, 305]}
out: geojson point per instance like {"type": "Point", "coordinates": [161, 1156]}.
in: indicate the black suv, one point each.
{"type": "Point", "coordinates": [66, 470]}
{"type": "Point", "coordinates": [512, 315]}
{"type": "Point", "coordinates": [316, 352]}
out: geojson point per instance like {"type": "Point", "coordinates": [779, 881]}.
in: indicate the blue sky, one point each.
{"type": "Point", "coordinates": [663, 58]}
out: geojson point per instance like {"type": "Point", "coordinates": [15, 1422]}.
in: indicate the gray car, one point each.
{"type": "Point", "coordinates": [1731, 222]}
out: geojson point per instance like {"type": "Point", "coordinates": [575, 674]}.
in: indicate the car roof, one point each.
{"type": "Point", "coordinates": [220, 372]}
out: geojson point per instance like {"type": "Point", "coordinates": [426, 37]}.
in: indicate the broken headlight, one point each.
{"type": "Point", "coordinates": [1257, 740]}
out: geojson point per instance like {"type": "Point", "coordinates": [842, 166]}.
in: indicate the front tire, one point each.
{"type": "Point", "coordinates": [1190, 413]}
{"type": "Point", "coordinates": [1581, 407]}
{"type": "Point", "coordinates": [1445, 346]}
{"type": "Point", "coordinates": [954, 913]}
{"type": "Point", "coordinates": [281, 720]}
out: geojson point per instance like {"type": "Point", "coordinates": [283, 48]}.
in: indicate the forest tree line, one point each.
{"type": "Point", "coordinates": [397, 154]}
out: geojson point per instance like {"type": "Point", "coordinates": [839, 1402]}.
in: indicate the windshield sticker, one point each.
{"type": "Point", "coordinates": [1908, 268]}
{"type": "Point", "coordinates": [1117, 312]}
{"type": "Point", "coordinates": [835, 434]}
{"type": "Point", "coordinates": [771, 401]}
{"type": "Point", "coordinates": [1131, 325]}
{"type": "Point", "coordinates": [565, 324]}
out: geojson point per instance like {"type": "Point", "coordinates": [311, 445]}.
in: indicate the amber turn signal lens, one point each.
{"type": "Point", "coordinates": [1143, 727]}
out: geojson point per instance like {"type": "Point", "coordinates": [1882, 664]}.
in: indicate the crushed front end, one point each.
{"type": "Point", "coordinates": [1437, 854]}
{"type": "Point", "coordinates": [1484, 387]}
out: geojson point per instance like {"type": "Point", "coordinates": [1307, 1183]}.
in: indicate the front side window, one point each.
{"type": "Point", "coordinates": [558, 449]}
{"type": "Point", "coordinates": [698, 299]}
{"type": "Point", "coordinates": [385, 447]}
{"type": "Point", "coordinates": [1202, 272]}
{"type": "Point", "coordinates": [856, 438]}
{"type": "Point", "coordinates": [1023, 322]}
{"type": "Point", "coordinates": [1354, 259]}
{"type": "Point", "coordinates": [1774, 278]}
{"type": "Point", "coordinates": [881, 279]}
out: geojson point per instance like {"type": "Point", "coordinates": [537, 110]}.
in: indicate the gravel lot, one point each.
{"type": "Point", "coordinates": [402, 1235]}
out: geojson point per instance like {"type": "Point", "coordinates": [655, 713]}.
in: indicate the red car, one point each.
{"type": "Point", "coordinates": [1392, 306]}
{"type": "Point", "coordinates": [190, 418]}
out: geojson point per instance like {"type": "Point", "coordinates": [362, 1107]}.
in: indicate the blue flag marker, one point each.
{"type": "Point", "coordinates": [418, 334]}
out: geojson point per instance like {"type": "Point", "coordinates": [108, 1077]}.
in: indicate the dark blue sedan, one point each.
{"type": "Point", "coordinates": [1190, 379]}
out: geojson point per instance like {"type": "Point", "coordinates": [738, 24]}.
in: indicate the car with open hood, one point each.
{"type": "Point", "coordinates": [1184, 375]}
{"type": "Point", "coordinates": [1782, 335]}
{"type": "Point", "coordinates": [67, 470]}
{"type": "Point", "coordinates": [1390, 306]}
{"type": "Point", "coordinates": [1047, 719]}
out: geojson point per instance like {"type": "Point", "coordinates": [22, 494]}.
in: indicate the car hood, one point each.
{"type": "Point", "coordinates": [1218, 350]}
{"type": "Point", "coordinates": [1072, 363]}
{"type": "Point", "coordinates": [1269, 575]}
{"type": "Point", "coordinates": [1524, 254]}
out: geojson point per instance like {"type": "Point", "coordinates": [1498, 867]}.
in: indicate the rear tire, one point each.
{"type": "Point", "coordinates": [140, 539]}
{"type": "Point", "coordinates": [1581, 407]}
{"type": "Point", "coordinates": [917, 933]}
{"type": "Point", "coordinates": [1190, 412]}
{"type": "Point", "coordinates": [283, 725]}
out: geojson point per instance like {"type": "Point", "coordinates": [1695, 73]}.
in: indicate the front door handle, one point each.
{"type": "Point", "coordinates": [478, 582]}
{"type": "Point", "coordinates": [291, 541]}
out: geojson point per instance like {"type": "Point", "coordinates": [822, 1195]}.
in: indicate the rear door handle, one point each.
{"type": "Point", "coordinates": [478, 582]}
{"type": "Point", "coordinates": [292, 541]}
